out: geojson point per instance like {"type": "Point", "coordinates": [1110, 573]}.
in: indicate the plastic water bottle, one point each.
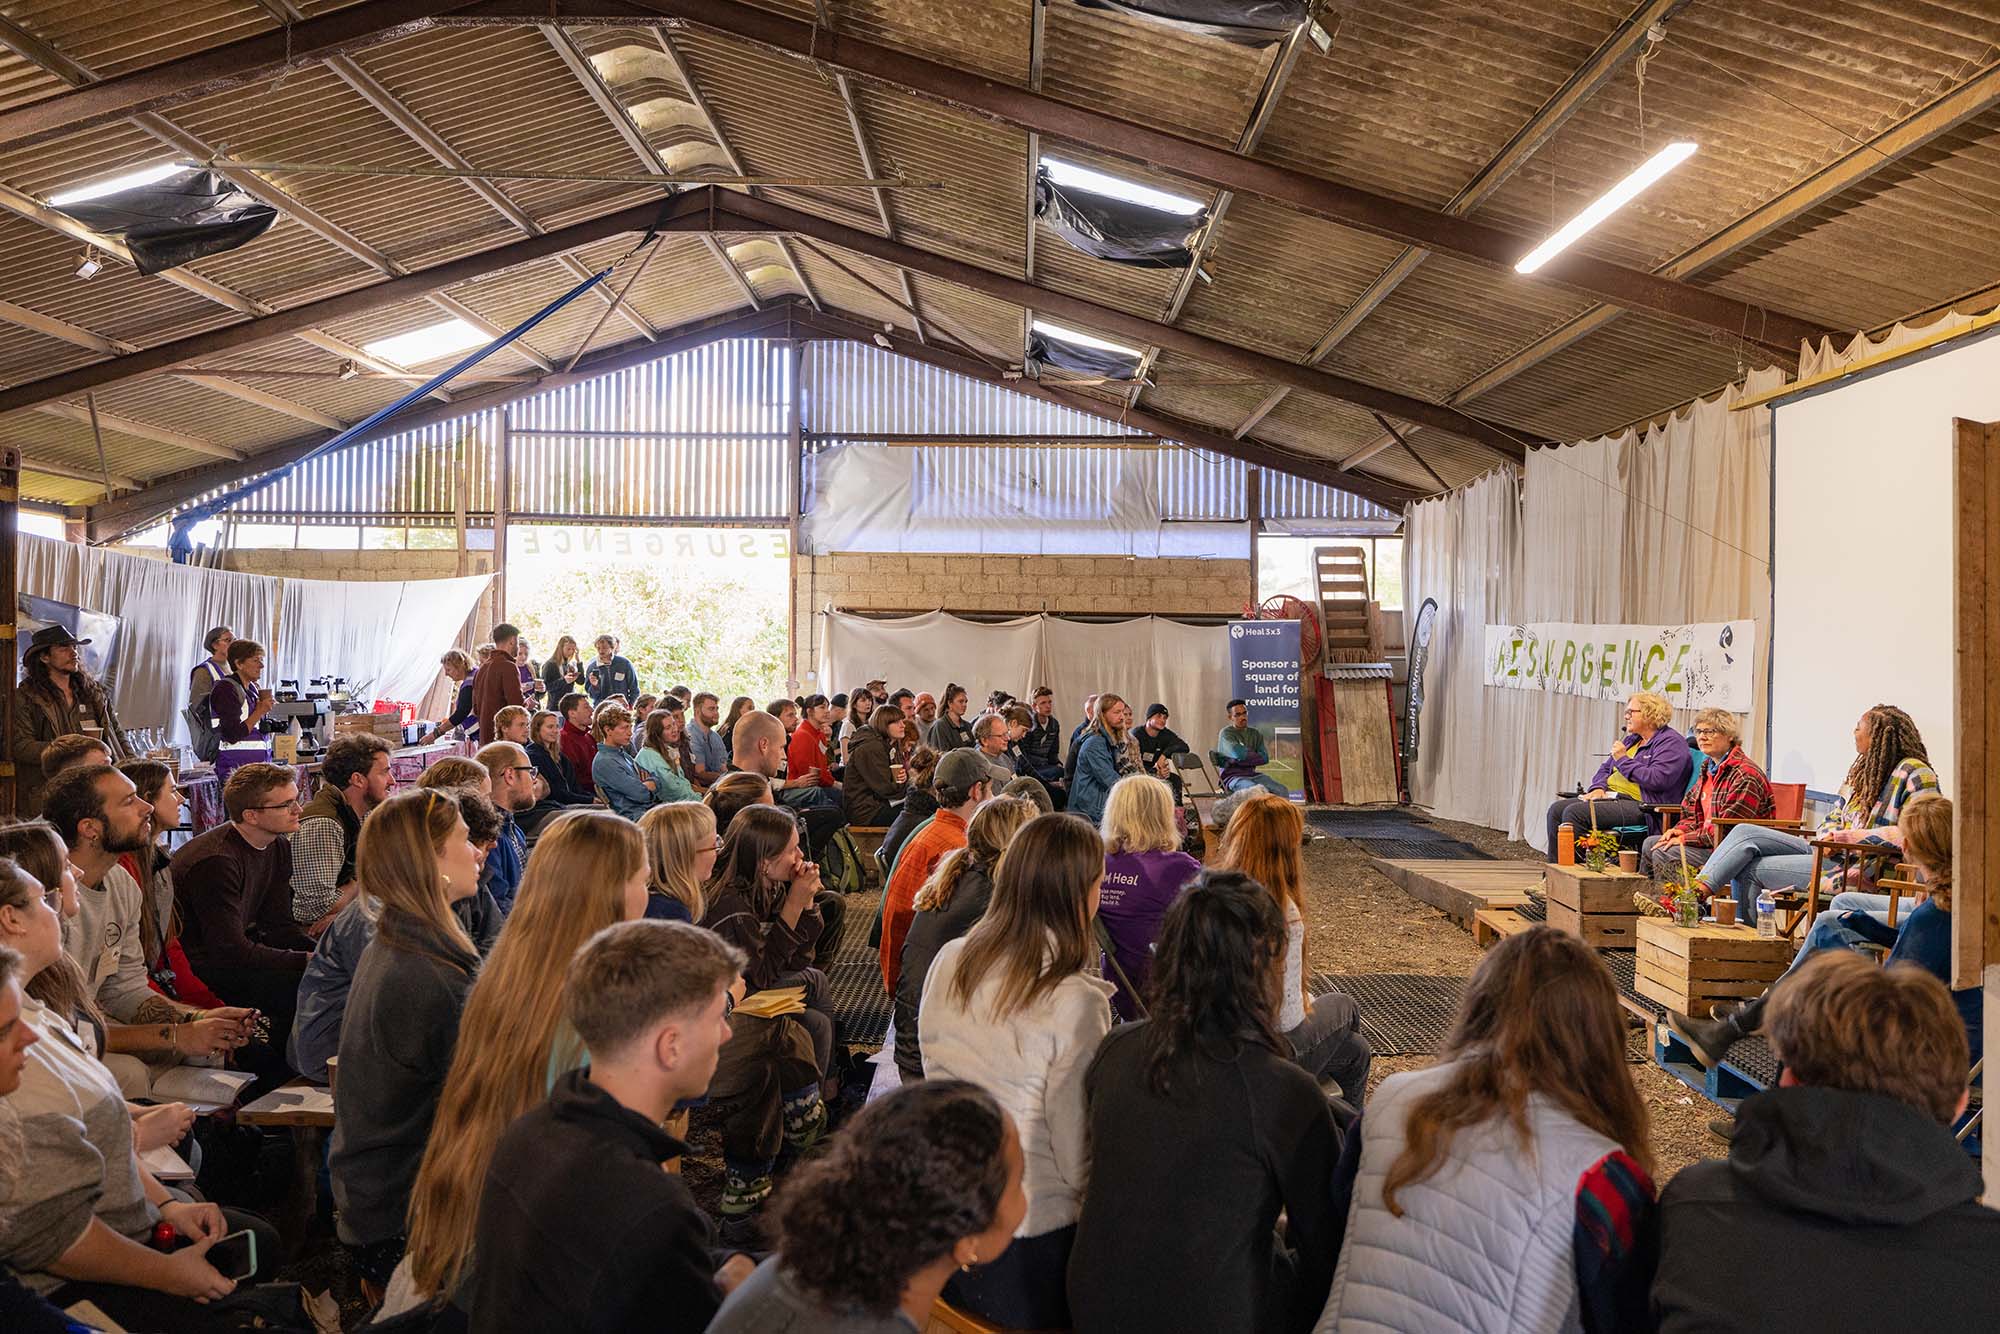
{"type": "Point", "coordinates": [1767, 915]}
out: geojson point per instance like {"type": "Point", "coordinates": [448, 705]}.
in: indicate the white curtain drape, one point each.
{"type": "Point", "coordinates": [1148, 659]}
{"type": "Point", "coordinates": [384, 637]}
{"type": "Point", "coordinates": [1666, 528]}
{"type": "Point", "coordinates": [166, 610]}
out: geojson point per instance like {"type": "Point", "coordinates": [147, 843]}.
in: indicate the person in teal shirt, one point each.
{"type": "Point", "coordinates": [661, 757]}
{"type": "Point", "coordinates": [1242, 749]}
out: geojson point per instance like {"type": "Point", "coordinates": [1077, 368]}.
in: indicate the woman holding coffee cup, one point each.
{"type": "Point", "coordinates": [875, 779]}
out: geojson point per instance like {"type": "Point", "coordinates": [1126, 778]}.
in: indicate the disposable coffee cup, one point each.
{"type": "Point", "coordinates": [1725, 911]}
{"type": "Point", "coordinates": [1628, 860]}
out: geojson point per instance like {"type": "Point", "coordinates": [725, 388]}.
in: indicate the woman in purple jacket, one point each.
{"type": "Point", "coordinates": [1144, 872]}
{"type": "Point", "coordinates": [1648, 768]}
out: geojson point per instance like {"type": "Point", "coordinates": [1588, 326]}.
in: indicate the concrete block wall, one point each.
{"type": "Point", "coordinates": [1097, 585]}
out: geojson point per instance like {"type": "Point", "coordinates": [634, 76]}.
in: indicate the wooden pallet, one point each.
{"type": "Point", "coordinates": [1595, 906]}
{"type": "Point", "coordinates": [1463, 888]}
{"type": "Point", "coordinates": [1689, 968]}
{"type": "Point", "coordinates": [1491, 925]}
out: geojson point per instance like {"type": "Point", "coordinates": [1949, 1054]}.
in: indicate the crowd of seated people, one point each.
{"type": "Point", "coordinates": [531, 964]}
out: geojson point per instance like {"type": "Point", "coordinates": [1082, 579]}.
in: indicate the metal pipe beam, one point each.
{"type": "Point", "coordinates": [112, 520]}
{"type": "Point", "coordinates": [728, 212]}
{"type": "Point", "coordinates": [1350, 206]}
{"type": "Point", "coordinates": [1161, 425]}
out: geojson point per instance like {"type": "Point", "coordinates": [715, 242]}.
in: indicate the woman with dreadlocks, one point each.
{"type": "Point", "coordinates": [1891, 769]}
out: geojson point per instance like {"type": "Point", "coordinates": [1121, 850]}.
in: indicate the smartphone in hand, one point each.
{"type": "Point", "coordinates": [235, 1256]}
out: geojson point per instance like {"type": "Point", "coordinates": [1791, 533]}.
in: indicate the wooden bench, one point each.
{"type": "Point", "coordinates": [868, 841]}
{"type": "Point", "coordinates": [948, 1319]}
{"type": "Point", "coordinates": [1490, 925]}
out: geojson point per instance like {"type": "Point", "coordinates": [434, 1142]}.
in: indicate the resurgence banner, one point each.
{"type": "Point", "coordinates": [1693, 666]}
{"type": "Point", "coordinates": [1264, 674]}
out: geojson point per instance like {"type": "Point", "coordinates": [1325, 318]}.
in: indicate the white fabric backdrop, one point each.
{"type": "Point", "coordinates": [1669, 528]}
{"type": "Point", "coordinates": [166, 609]}
{"type": "Point", "coordinates": [384, 637]}
{"type": "Point", "coordinates": [1146, 659]}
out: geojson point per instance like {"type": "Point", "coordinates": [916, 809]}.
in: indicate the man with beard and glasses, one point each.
{"type": "Point", "coordinates": [99, 814]}
{"type": "Point", "coordinates": [233, 886]}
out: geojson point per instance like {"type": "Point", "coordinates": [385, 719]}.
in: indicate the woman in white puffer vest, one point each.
{"type": "Point", "coordinates": [1508, 1187]}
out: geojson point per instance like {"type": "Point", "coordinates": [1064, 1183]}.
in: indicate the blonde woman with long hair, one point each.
{"type": "Point", "coordinates": [1144, 872]}
{"type": "Point", "coordinates": [402, 1016]}
{"type": "Point", "coordinates": [1105, 755]}
{"type": "Point", "coordinates": [563, 669]}
{"type": "Point", "coordinates": [1262, 841]}
{"type": "Point", "coordinates": [948, 905]}
{"type": "Point", "coordinates": [588, 870]}
{"type": "Point", "coordinates": [680, 852]}
{"type": "Point", "coordinates": [1015, 1007]}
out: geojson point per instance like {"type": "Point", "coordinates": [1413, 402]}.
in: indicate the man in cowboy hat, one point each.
{"type": "Point", "coordinates": [57, 697]}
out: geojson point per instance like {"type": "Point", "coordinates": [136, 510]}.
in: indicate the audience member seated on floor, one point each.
{"type": "Point", "coordinates": [167, 967]}
{"type": "Point", "coordinates": [950, 902]}
{"type": "Point", "coordinates": [925, 1183]}
{"type": "Point", "coordinates": [1508, 1186]}
{"type": "Point", "coordinates": [610, 674]}
{"type": "Point", "coordinates": [401, 1020]}
{"type": "Point", "coordinates": [1648, 767]}
{"type": "Point", "coordinates": [1851, 1160]}
{"type": "Point", "coordinates": [989, 742]}
{"type": "Point", "coordinates": [498, 683]}
{"type": "Point", "coordinates": [949, 730]}
{"type": "Point", "coordinates": [97, 815]}
{"type": "Point", "coordinates": [1203, 1128]}
{"type": "Point", "coordinates": [512, 776]}
{"type": "Point", "coordinates": [1016, 1007]}
{"type": "Point", "coordinates": [764, 900]}
{"type": "Point", "coordinates": [759, 747]}
{"type": "Point", "coordinates": [1103, 757]}
{"type": "Point", "coordinates": [959, 784]}
{"type": "Point", "coordinates": [1727, 786]}
{"type": "Point", "coordinates": [706, 744]}
{"type": "Point", "coordinates": [681, 848]}
{"type": "Point", "coordinates": [578, 1228]}
{"type": "Point", "coordinates": [806, 753]}
{"type": "Point", "coordinates": [587, 871]}
{"type": "Point", "coordinates": [875, 779]}
{"type": "Point", "coordinates": [1262, 841]}
{"type": "Point", "coordinates": [1891, 769]}
{"type": "Point", "coordinates": [1922, 936]}
{"type": "Point", "coordinates": [233, 889]}
{"type": "Point", "coordinates": [56, 697]}
{"type": "Point", "coordinates": [1244, 752]}
{"type": "Point", "coordinates": [578, 746]}
{"type": "Point", "coordinates": [72, 752]}
{"type": "Point", "coordinates": [463, 718]}
{"type": "Point", "coordinates": [354, 779]}
{"type": "Point", "coordinates": [82, 1211]}
{"type": "Point", "coordinates": [1144, 872]}
{"type": "Point", "coordinates": [660, 757]}
{"type": "Point", "coordinates": [919, 803]}
{"type": "Point", "coordinates": [630, 790]}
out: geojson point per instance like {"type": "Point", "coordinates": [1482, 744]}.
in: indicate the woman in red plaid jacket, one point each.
{"type": "Point", "coordinates": [1726, 786]}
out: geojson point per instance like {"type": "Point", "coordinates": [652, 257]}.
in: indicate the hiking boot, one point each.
{"type": "Point", "coordinates": [1722, 1010]}
{"type": "Point", "coordinates": [1724, 1127]}
{"type": "Point", "coordinates": [1708, 1039]}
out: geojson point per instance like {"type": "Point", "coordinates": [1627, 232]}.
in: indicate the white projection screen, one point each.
{"type": "Point", "coordinates": [1862, 557]}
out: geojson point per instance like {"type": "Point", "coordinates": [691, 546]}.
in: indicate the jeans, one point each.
{"type": "Point", "coordinates": [1329, 1045]}
{"type": "Point", "coordinates": [1828, 932]}
{"type": "Point", "coordinates": [1245, 782]}
{"type": "Point", "coordinates": [1664, 863]}
{"type": "Point", "coordinates": [1752, 857]}
{"type": "Point", "coordinates": [1612, 813]}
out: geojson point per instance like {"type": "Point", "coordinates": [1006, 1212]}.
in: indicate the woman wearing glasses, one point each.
{"type": "Point", "coordinates": [1727, 786]}
{"type": "Point", "coordinates": [1648, 767]}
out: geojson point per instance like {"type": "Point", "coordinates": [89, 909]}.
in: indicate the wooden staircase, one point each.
{"type": "Point", "coordinates": [1350, 632]}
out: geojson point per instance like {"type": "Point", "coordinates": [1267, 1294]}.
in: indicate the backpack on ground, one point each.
{"type": "Point", "coordinates": [840, 868]}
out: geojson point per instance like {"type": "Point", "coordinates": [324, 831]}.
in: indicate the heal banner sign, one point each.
{"type": "Point", "coordinates": [1692, 666]}
{"type": "Point", "coordinates": [1264, 674]}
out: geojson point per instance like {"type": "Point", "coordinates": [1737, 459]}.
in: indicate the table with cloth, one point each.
{"type": "Point", "coordinates": [407, 763]}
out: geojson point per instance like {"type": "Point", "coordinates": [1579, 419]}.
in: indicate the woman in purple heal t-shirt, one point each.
{"type": "Point", "coordinates": [1144, 872]}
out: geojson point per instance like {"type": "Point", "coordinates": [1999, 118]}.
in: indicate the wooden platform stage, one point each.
{"type": "Point", "coordinates": [1463, 888]}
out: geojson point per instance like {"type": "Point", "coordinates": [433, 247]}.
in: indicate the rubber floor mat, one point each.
{"type": "Point", "coordinates": [1402, 1014]}
{"type": "Point", "coordinates": [1418, 850]}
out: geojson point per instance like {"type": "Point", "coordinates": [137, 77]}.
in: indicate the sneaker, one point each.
{"type": "Point", "coordinates": [1723, 1127]}
{"type": "Point", "coordinates": [1709, 1040]}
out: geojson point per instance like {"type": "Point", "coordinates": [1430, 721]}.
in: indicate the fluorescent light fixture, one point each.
{"type": "Point", "coordinates": [1084, 339]}
{"type": "Point", "coordinates": [1617, 197]}
{"type": "Point", "coordinates": [427, 344]}
{"type": "Point", "coordinates": [1098, 183]}
{"type": "Point", "coordinates": [118, 185]}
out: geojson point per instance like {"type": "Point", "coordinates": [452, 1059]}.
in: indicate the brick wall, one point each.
{"type": "Point", "coordinates": [1021, 584]}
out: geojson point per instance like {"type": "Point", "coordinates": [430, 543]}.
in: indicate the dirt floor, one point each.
{"type": "Point", "coordinates": [1358, 921]}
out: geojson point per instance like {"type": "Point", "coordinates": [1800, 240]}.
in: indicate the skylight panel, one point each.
{"type": "Point", "coordinates": [119, 184]}
{"type": "Point", "coordinates": [427, 344]}
{"type": "Point", "coordinates": [1115, 187]}
{"type": "Point", "coordinates": [1081, 339]}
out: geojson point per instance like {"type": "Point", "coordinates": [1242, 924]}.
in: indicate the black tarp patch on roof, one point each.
{"type": "Point", "coordinates": [1047, 351]}
{"type": "Point", "coordinates": [1117, 230]}
{"type": "Point", "coordinates": [1249, 22]}
{"type": "Point", "coordinates": [187, 216]}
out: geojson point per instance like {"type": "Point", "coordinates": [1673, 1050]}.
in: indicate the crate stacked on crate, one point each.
{"type": "Point", "coordinates": [1594, 906]}
{"type": "Point", "coordinates": [1690, 968]}
{"type": "Point", "coordinates": [388, 726]}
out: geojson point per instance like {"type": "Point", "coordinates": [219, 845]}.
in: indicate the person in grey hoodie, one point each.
{"type": "Point", "coordinates": [401, 1025]}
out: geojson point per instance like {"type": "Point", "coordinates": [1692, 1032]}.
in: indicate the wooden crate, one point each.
{"type": "Point", "coordinates": [1594, 906]}
{"type": "Point", "coordinates": [1688, 968]}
